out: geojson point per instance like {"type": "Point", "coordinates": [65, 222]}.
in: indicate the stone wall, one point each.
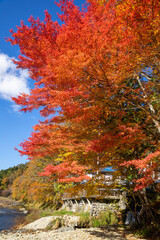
{"type": "Point", "coordinates": [94, 206]}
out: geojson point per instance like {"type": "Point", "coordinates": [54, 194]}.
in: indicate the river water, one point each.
{"type": "Point", "coordinates": [8, 217]}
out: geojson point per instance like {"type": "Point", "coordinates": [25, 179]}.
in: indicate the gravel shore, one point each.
{"type": "Point", "coordinates": [67, 234]}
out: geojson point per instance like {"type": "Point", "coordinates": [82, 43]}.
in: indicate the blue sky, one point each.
{"type": "Point", "coordinates": [15, 127]}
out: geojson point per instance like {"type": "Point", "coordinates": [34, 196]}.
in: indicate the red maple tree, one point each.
{"type": "Point", "coordinates": [100, 71]}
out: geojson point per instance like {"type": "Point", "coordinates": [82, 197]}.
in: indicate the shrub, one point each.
{"type": "Point", "coordinates": [151, 232]}
{"type": "Point", "coordinates": [104, 219]}
{"type": "Point", "coordinates": [6, 193]}
{"type": "Point", "coordinates": [85, 219]}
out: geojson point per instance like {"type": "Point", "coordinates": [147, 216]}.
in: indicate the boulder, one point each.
{"type": "Point", "coordinates": [41, 223]}
{"type": "Point", "coordinates": [51, 222]}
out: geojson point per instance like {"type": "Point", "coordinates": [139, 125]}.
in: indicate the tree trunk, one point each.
{"type": "Point", "coordinates": [146, 215]}
{"type": "Point", "coordinates": [152, 111]}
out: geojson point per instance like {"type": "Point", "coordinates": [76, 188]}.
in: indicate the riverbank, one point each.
{"type": "Point", "coordinates": [10, 212]}
{"type": "Point", "coordinates": [47, 228]}
{"type": "Point", "coordinates": [68, 232]}
{"type": "Point", "coordinates": [9, 203]}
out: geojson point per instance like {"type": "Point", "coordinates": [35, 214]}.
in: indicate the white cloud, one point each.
{"type": "Point", "coordinates": [13, 81]}
{"type": "Point", "coordinates": [15, 108]}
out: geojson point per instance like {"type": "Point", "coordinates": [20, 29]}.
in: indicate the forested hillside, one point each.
{"type": "Point", "coordinates": [7, 177]}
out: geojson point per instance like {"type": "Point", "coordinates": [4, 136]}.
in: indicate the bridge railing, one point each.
{"type": "Point", "coordinates": [102, 193]}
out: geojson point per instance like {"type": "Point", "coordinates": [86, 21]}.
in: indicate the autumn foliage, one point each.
{"type": "Point", "coordinates": [32, 189]}
{"type": "Point", "coordinates": [97, 84]}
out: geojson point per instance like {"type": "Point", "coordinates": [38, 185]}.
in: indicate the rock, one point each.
{"type": "Point", "coordinates": [41, 223]}
{"type": "Point", "coordinates": [53, 222]}
{"type": "Point", "coordinates": [71, 221]}
{"type": "Point", "coordinates": [23, 210]}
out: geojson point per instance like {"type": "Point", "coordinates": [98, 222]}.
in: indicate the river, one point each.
{"type": "Point", "coordinates": [8, 217]}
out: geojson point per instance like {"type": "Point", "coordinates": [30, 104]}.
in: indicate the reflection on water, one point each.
{"type": "Point", "coordinates": [7, 217]}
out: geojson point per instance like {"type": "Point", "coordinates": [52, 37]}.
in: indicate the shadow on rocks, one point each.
{"type": "Point", "coordinates": [109, 233]}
